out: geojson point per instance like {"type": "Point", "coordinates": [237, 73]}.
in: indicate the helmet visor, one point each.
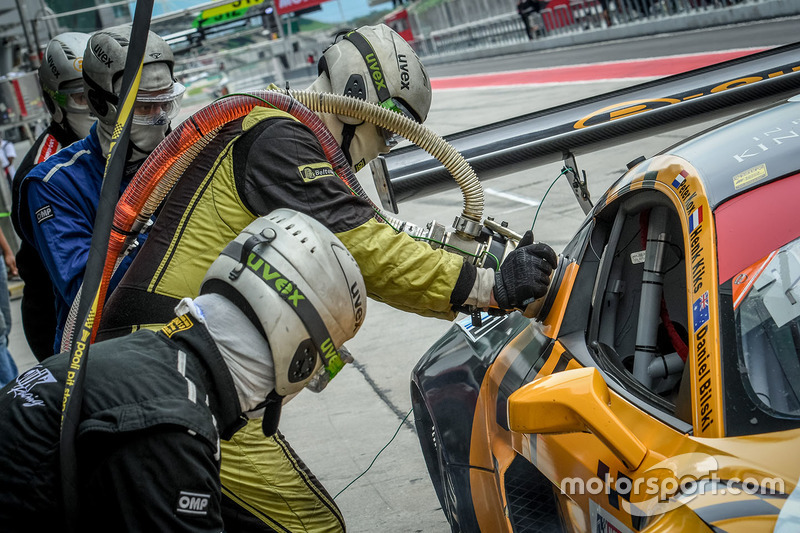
{"type": "Point", "coordinates": [391, 138]}
{"type": "Point", "coordinates": [72, 99]}
{"type": "Point", "coordinates": [157, 108]}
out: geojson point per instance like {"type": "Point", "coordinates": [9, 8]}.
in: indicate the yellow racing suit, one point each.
{"type": "Point", "coordinates": [262, 162]}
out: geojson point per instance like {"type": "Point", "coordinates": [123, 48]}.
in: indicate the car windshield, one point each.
{"type": "Point", "coordinates": [766, 301]}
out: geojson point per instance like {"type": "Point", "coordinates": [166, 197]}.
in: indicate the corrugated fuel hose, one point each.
{"type": "Point", "coordinates": [162, 169]}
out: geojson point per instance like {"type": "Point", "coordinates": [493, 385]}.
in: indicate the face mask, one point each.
{"type": "Point", "coordinates": [144, 139]}
{"type": "Point", "coordinates": [80, 123]}
{"type": "Point", "coordinates": [367, 144]}
{"type": "Point", "coordinates": [244, 350]}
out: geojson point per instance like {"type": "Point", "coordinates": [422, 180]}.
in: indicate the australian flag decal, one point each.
{"type": "Point", "coordinates": [700, 311]}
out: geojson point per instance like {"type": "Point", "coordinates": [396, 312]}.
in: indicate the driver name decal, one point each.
{"type": "Point", "coordinates": [702, 300]}
{"type": "Point", "coordinates": [701, 292]}
{"type": "Point", "coordinates": [704, 378]}
{"type": "Point", "coordinates": [698, 267]}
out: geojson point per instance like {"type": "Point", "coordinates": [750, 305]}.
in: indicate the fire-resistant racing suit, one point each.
{"type": "Point", "coordinates": [38, 304]}
{"type": "Point", "coordinates": [155, 406]}
{"type": "Point", "coordinates": [62, 195]}
{"type": "Point", "coordinates": [256, 164]}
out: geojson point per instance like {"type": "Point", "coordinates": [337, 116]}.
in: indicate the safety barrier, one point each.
{"type": "Point", "coordinates": [571, 17]}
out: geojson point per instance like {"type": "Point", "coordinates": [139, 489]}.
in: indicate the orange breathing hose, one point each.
{"type": "Point", "coordinates": [169, 160]}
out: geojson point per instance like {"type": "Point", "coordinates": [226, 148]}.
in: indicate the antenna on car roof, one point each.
{"type": "Point", "coordinates": [579, 187]}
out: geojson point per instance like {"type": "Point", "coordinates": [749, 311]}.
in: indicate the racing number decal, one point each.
{"type": "Point", "coordinates": [603, 521]}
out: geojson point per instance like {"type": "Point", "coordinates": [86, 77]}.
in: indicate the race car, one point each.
{"type": "Point", "coordinates": [658, 389]}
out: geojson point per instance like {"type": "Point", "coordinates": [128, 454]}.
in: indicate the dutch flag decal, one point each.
{"type": "Point", "coordinates": [679, 179]}
{"type": "Point", "coordinates": [696, 218]}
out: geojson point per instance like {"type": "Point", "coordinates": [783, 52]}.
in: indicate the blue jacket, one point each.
{"type": "Point", "coordinates": [63, 193]}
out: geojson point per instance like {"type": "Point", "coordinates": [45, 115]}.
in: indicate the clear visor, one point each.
{"type": "Point", "coordinates": [157, 108]}
{"type": "Point", "coordinates": [72, 99]}
{"type": "Point", "coordinates": [389, 137]}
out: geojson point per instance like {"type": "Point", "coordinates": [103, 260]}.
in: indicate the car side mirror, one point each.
{"type": "Point", "coordinates": [574, 401]}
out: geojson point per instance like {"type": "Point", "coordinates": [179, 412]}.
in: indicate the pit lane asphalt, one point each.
{"type": "Point", "coordinates": [339, 432]}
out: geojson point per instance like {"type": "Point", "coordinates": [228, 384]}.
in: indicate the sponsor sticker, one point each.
{"type": "Point", "coordinates": [49, 147]}
{"type": "Point", "coordinates": [44, 213]}
{"type": "Point", "coordinates": [638, 257]}
{"type": "Point", "coordinates": [181, 323]}
{"type": "Point", "coordinates": [749, 176]}
{"type": "Point", "coordinates": [193, 503]}
{"type": "Point", "coordinates": [488, 323]}
{"type": "Point", "coordinates": [314, 171]}
{"type": "Point", "coordinates": [605, 522]}
{"type": "Point", "coordinates": [27, 381]}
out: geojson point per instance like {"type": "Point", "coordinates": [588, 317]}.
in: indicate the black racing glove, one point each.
{"type": "Point", "coordinates": [525, 274]}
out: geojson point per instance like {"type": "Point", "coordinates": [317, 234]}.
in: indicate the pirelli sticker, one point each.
{"type": "Point", "coordinates": [314, 171]}
{"type": "Point", "coordinates": [182, 323]}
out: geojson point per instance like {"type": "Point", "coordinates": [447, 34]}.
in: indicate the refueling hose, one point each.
{"type": "Point", "coordinates": [417, 133]}
{"type": "Point", "coordinates": [159, 173]}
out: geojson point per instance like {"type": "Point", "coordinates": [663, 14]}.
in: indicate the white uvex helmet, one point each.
{"type": "Point", "coordinates": [376, 64]}
{"type": "Point", "coordinates": [300, 287]}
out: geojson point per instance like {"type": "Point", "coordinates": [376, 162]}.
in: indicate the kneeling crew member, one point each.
{"type": "Point", "coordinates": [157, 404]}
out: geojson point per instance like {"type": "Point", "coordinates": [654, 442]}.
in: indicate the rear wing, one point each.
{"type": "Point", "coordinates": [595, 123]}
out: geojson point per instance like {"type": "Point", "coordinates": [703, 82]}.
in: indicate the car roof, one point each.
{"type": "Point", "coordinates": [746, 152]}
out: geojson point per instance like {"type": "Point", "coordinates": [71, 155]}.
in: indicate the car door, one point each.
{"type": "Point", "coordinates": [638, 335]}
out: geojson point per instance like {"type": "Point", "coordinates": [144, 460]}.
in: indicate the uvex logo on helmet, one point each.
{"type": "Point", "coordinates": [282, 286]}
{"type": "Point", "coordinates": [52, 65]}
{"type": "Point", "coordinates": [405, 77]}
{"type": "Point", "coordinates": [377, 74]}
{"type": "Point", "coordinates": [102, 55]}
{"type": "Point", "coordinates": [358, 306]}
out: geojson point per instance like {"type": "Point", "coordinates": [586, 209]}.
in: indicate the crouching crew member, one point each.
{"type": "Point", "coordinates": [273, 313]}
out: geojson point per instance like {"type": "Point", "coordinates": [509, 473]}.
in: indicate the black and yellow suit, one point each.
{"type": "Point", "coordinates": [265, 161]}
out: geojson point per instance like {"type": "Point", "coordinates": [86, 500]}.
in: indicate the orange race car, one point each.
{"type": "Point", "coordinates": [659, 388]}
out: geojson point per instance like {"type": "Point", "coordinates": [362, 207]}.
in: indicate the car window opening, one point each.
{"type": "Point", "coordinates": [640, 322]}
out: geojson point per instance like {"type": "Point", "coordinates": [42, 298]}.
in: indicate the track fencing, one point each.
{"type": "Point", "coordinates": [446, 29]}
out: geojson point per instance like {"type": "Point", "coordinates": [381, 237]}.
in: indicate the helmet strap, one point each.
{"type": "Point", "coordinates": [272, 413]}
{"type": "Point", "coordinates": [373, 64]}
{"type": "Point", "coordinates": [348, 134]}
{"type": "Point", "coordinates": [302, 307]}
{"type": "Point", "coordinates": [99, 97]}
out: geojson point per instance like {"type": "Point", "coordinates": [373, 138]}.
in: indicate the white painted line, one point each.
{"type": "Point", "coordinates": [513, 197]}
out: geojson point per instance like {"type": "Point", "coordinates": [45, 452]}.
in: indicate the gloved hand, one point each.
{"type": "Point", "coordinates": [525, 274]}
